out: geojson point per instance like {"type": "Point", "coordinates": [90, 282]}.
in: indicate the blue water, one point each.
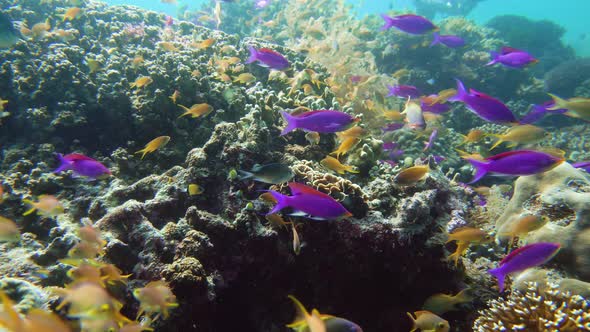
{"type": "Point", "coordinates": [570, 14]}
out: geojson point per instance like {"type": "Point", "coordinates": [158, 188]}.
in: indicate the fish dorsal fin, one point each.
{"type": "Point", "coordinates": [300, 189]}
{"type": "Point", "coordinates": [76, 156]}
{"type": "Point", "coordinates": [421, 312]}
{"type": "Point", "coordinates": [269, 51]}
{"type": "Point", "coordinates": [509, 153]}
{"type": "Point", "coordinates": [508, 49]}
{"type": "Point", "coordinates": [309, 113]}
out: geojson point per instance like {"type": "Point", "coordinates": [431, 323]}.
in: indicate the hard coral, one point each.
{"type": "Point", "coordinates": [534, 310]}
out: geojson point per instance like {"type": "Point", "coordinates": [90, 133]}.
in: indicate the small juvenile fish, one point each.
{"type": "Point", "coordinates": [523, 134]}
{"type": "Point", "coordinates": [443, 96]}
{"type": "Point", "coordinates": [474, 136]}
{"type": "Point", "coordinates": [197, 110]}
{"type": "Point", "coordinates": [47, 206]}
{"type": "Point", "coordinates": [518, 163]}
{"type": "Point", "coordinates": [346, 145]}
{"type": "Point", "coordinates": [296, 241]}
{"type": "Point", "coordinates": [313, 138]}
{"type": "Point", "coordinates": [205, 43]}
{"type": "Point", "coordinates": [245, 78]}
{"type": "Point", "coordinates": [403, 91]}
{"type": "Point", "coordinates": [412, 175]}
{"type": "Point", "coordinates": [142, 82]}
{"type": "Point", "coordinates": [311, 202]}
{"type": "Point", "coordinates": [576, 107]}
{"type": "Point", "coordinates": [335, 165]}
{"type": "Point", "coordinates": [522, 226]}
{"type": "Point", "coordinates": [442, 303]}
{"type": "Point", "coordinates": [8, 230]}
{"type": "Point", "coordinates": [268, 58]}
{"type": "Point", "coordinates": [464, 237]}
{"type": "Point", "coordinates": [174, 96]}
{"type": "Point", "coordinates": [512, 58]}
{"type": "Point", "coordinates": [427, 321]}
{"type": "Point", "coordinates": [484, 106]}
{"type": "Point", "coordinates": [168, 46]}
{"type": "Point", "coordinates": [321, 121]}
{"type": "Point", "coordinates": [81, 165]}
{"type": "Point", "coordinates": [316, 322]}
{"type": "Point", "coordinates": [451, 41]}
{"type": "Point", "coordinates": [154, 144]}
{"type": "Point", "coordinates": [194, 189]}
{"type": "Point", "coordinates": [274, 173]}
{"type": "Point", "coordinates": [275, 220]}
{"type": "Point", "coordinates": [409, 23]}
{"type": "Point", "coordinates": [71, 13]}
{"type": "Point", "coordinates": [523, 258]}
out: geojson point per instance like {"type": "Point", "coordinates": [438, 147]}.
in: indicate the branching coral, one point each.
{"type": "Point", "coordinates": [533, 311]}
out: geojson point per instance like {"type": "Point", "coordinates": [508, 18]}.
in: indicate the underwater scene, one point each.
{"type": "Point", "coordinates": [294, 165]}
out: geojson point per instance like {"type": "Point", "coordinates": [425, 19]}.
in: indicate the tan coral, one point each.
{"type": "Point", "coordinates": [535, 311]}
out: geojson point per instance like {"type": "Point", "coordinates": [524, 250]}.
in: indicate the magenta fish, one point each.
{"type": "Point", "coordinates": [428, 145]}
{"type": "Point", "coordinates": [484, 106]}
{"type": "Point", "coordinates": [585, 165]}
{"type": "Point", "coordinates": [321, 121]}
{"type": "Point", "coordinates": [451, 41]}
{"type": "Point", "coordinates": [409, 23]}
{"type": "Point", "coordinates": [403, 91]}
{"type": "Point", "coordinates": [437, 108]}
{"type": "Point", "coordinates": [524, 258]}
{"type": "Point", "coordinates": [268, 58]}
{"type": "Point", "coordinates": [81, 165]}
{"type": "Point", "coordinates": [538, 112]}
{"type": "Point", "coordinates": [515, 163]}
{"type": "Point", "coordinates": [388, 146]}
{"type": "Point", "coordinates": [512, 57]}
{"type": "Point", "coordinates": [392, 127]}
{"type": "Point", "coordinates": [310, 202]}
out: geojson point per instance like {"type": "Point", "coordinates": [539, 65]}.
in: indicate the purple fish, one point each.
{"type": "Point", "coordinates": [81, 165]}
{"type": "Point", "coordinates": [434, 108]}
{"type": "Point", "coordinates": [585, 165]}
{"type": "Point", "coordinates": [516, 163]}
{"type": "Point", "coordinates": [392, 127]}
{"type": "Point", "coordinates": [512, 57]}
{"type": "Point", "coordinates": [403, 91]}
{"type": "Point", "coordinates": [524, 258]}
{"type": "Point", "coordinates": [409, 23]}
{"type": "Point", "coordinates": [484, 106]}
{"type": "Point", "coordinates": [396, 154]}
{"type": "Point", "coordinates": [428, 145]}
{"type": "Point", "coordinates": [388, 146]}
{"type": "Point", "coordinates": [321, 121]}
{"type": "Point", "coordinates": [447, 40]}
{"type": "Point", "coordinates": [268, 58]}
{"type": "Point", "coordinates": [309, 201]}
{"type": "Point", "coordinates": [537, 112]}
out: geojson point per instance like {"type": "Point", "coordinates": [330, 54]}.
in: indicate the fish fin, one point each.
{"type": "Point", "coordinates": [389, 22]}
{"type": "Point", "coordinates": [461, 92]}
{"type": "Point", "coordinates": [498, 142]}
{"type": "Point", "coordinates": [497, 272]}
{"type": "Point", "coordinates": [480, 169]}
{"type": "Point", "coordinates": [463, 296]}
{"type": "Point", "coordinates": [414, 325]}
{"type": "Point", "coordinates": [560, 103]}
{"type": "Point", "coordinates": [144, 151]}
{"type": "Point", "coordinates": [28, 201]}
{"type": "Point", "coordinates": [253, 55]}
{"type": "Point", "coordinates": [291, 123]}
{"type": "Point", "coordinates": [64, 164]}
{"type": "Point", "coordinates": [244, 175]}
{"type": "Point", "coordinates": [435, 40]}
{"type": "Point", "coordinates": [494, 55]}
{"type": "Point", "coordinates": [301, 312]}
{"type": "Point", "coordinates": [282, 202]}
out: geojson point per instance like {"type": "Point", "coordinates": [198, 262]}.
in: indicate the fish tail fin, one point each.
{"type": "Point", "coordinates": [351, 169]}
{"type": "Point", "coordinates": [560, 103]}
{"type": "Point", "coordinates": [144, 151]}
{"type": "Point", "coordinates": [282, 202]}
{"type": "Point", "coordinates": [498, 142]}
{"type": "Point", "coordinates": [463, 296]}
{"type": "Point", "coordinates": [481, 169]}
{"type": "Point", "coordinates": [435, 39]}
{"type": "Point", "coordinates": [497, 272]}
{"type": "Point", "coordinates": [389, 22]}
{"type": "Point", "coordinates": [64, 164]}
{"type": "Point", "coordinates": [244, 175]}
{"type": "Point", "coordinates": [253, 55]}
{"type": "Point", "coordinates": [187, 111]}
{"type": "Point", "coordinates": [461, 92]}
{"type": "Point", "coordinates": [291, 123]}
{"type": "Point", "coordinates": [31, 210]}
{"type": "Point", "coordinates": [414, 325]}
{"type": "Point", "coordinates": [494, 55]}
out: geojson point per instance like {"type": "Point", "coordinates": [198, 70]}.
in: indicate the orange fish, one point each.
{"type": "Point", "coordinates": [71, 13]}
{"type": "Point", "coordinates": [154, 144]}
{"type": "Point", "coordinates": [197, 110]}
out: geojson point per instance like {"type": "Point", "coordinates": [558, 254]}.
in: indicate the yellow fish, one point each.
{"type": "Point", "coordinates": [465, 236]}
{"type": "Point", "coordinates": [197, 110]}
{"type": "Point", "coordinates": [205, 43]}
{"type": "Point", "coordinates": [47, 206]}
{"type": "Point", "coordinates": [174, 96]}
{"type": "Point", "coordinates": [441, 303]}
{"type": "Point", "coordinates": [3, 103]}
{"type": "Point", "coordinates": [520, 135]}
{"type": "Point", "coordinates": [8, 230]}
{"type": "Point", "coordinates": [194, 189]}
{"type": "Point", "coordinates": [347, 144]}
{"type": "Point", "coordinates": [71, 13]}
{"type": "Point", "coordinates": [141, 82]}
{"type": "Point", "coordinates": [475, 135]}
{"type": "Point", "coordinates": [355, 131]}
{"type": "Point", "coordinates": [443, 96]}
{"type": "Point", "coordinates": [313, 138]}
{"type": "Point", "coordinates": [427, 321]}
{"type": "Point", "coordinates": [576, 107]}
{"type": "Point", "coordinates": [335, 165]}
{"type": "Point", "coordinates": [245, 78]}
{"type": "Point", "coordinates": [412, 175]}
{"type": "Point", "coordinates": [154, 144]}
{"type": "Point", "coordinates": [168, 46]}
{"type": "Point", "coordinates": [522, 226]}
{"type": "Point", "coordinates": [93, 65]}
